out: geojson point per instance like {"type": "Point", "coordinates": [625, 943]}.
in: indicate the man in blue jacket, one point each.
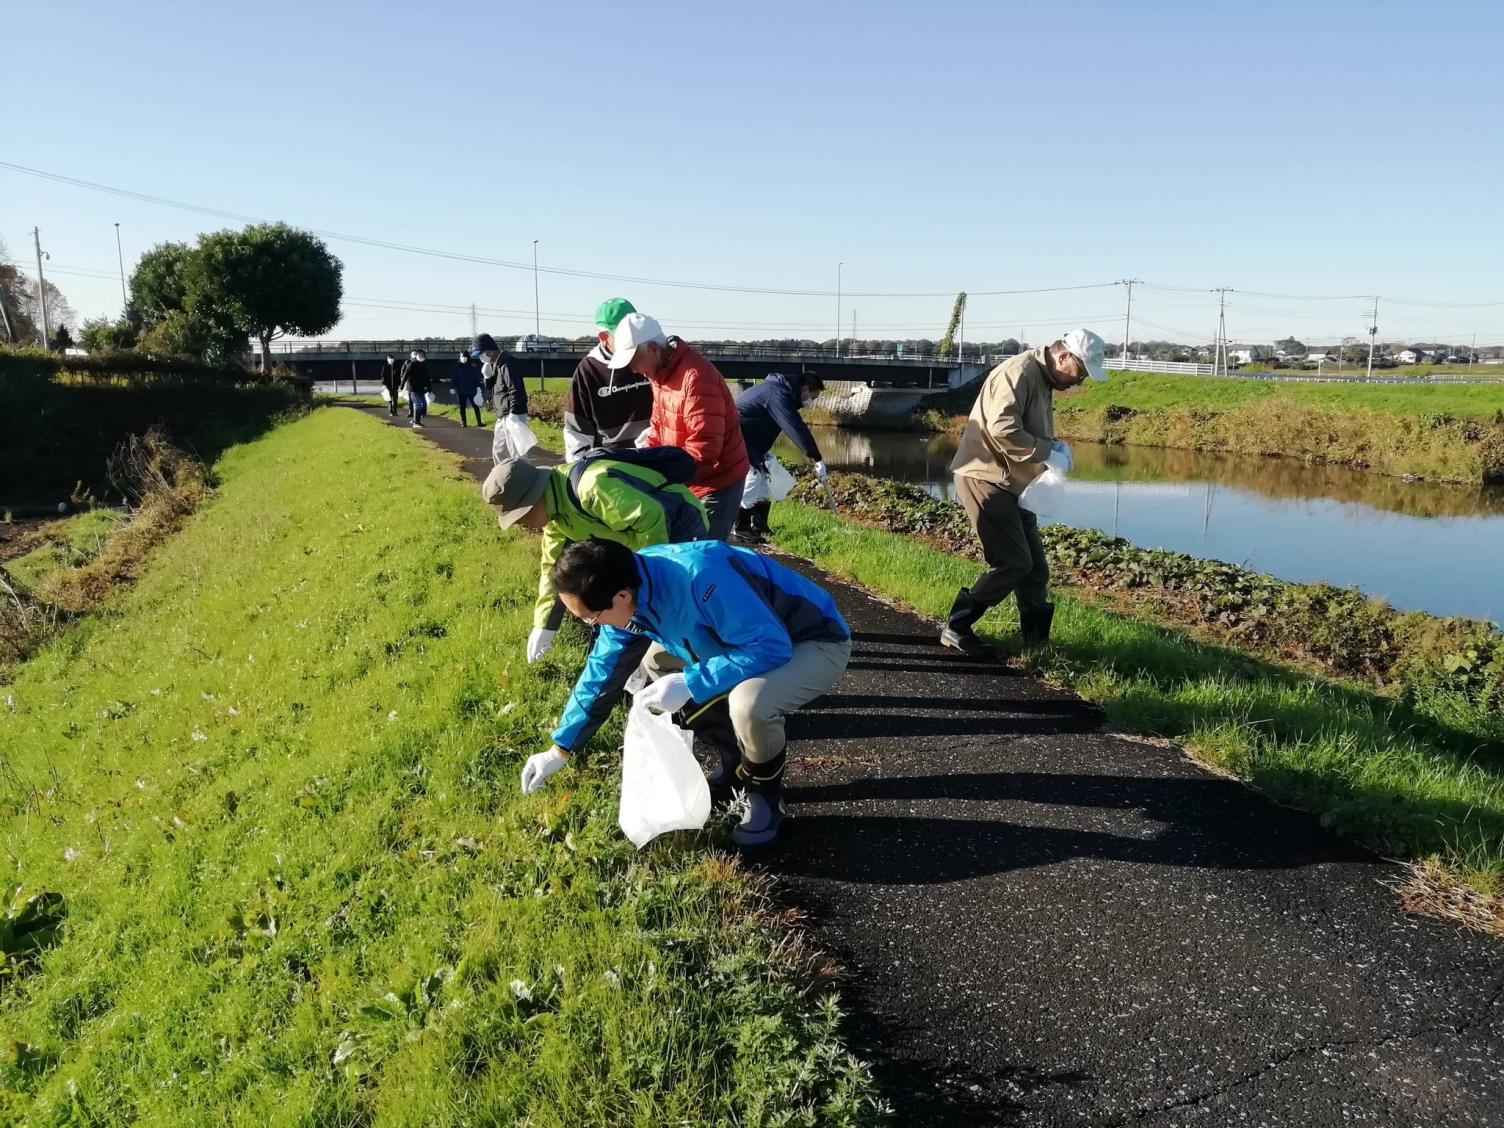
{"type": "Point", "coordinates": [766, 411]}
{"type": "Point", "coordinates": [464, 382]}
{"type": "Point", "coordinates": [741, 642]}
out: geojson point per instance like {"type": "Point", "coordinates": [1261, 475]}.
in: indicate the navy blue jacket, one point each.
{"type": "Point", "coordinates": [728, 613]}
{"type": "Point", "coordinates": [769, 408]}
{"type": "Point", "coordinates": [464, 381]}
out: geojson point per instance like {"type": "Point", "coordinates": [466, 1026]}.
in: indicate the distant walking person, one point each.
{"type": "Point", "coordinates": [416, 380]}
{"type": "Point", "coordinates": [391, 380]}
{"type": "Point", "coordinates": [766, 411]}
{"type": "Point", "coordinates": [1008, 441]}
{"type": "Point", "coordinates": [692, 410]}
{"type": "Point", "coordinates": [508, 398]}
{"type": "Point", "coordinates": [605, 409]}
{"type": "Point", "coordinates": [464, 382]}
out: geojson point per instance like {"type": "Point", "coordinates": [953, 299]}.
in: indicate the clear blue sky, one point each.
{"type": "Point", "coordinates": [1338, 148]}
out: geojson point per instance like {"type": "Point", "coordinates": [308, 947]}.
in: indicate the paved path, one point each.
{"type": "Point", "coordinates": [1049, 924]}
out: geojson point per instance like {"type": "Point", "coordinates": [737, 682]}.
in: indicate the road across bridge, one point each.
{"type": "Point", "coordinates": [361, 361]}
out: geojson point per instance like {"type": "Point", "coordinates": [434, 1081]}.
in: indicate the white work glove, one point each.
{"type": "Point", "coordinates": [668, 694]}
{"type": "Point", "coordinates": [488, 369]}
{"type": "Point", "coordinates": [539, 766]}
{"type": "Point", "coordinates": [540, 641]}
{"type": "Point", "coordinates": [1060, 457]}
{"type": "Point", "coordinates": [644, 439]}
{"type": "Point", "coordinates": [821, 472]}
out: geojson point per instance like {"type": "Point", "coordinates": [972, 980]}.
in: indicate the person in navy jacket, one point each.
{"type": "Point", "coordinates": [734, 642]}
{"type": "Point", "coordinates": [770, 409]}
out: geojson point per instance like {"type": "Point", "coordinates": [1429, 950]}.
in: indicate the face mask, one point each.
{"type": "Point", "coordinates": [488, 369]}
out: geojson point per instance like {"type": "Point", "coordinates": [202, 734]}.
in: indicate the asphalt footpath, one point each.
{"type": "Point", "coordinates": [1044, 922]}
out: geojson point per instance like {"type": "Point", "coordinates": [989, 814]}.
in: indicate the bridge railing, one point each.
{"type": "Point", "coordinates": [438, 347]}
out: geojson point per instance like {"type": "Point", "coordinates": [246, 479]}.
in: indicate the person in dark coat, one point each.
{"type": "Point", "coordinates": [768, 410]}
{"type": "Point", "coordinates": [391, 380]}
{"type": "Point", "coordinates": [419, 383]}
{"type": "Point", "coordinates": [508, 397]}
{"type": "Point", "coordinates": [464, 382]}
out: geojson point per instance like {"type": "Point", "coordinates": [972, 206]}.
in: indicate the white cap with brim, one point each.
{"type": "Point", "coordinates": [1089, 349]}
{"type": "Point", "coordinates": [635, 329]}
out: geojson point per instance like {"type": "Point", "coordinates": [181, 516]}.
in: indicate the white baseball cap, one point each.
{"type": "Point", "coordinates": [1089, 349]}
{"type": "Point", "coordinates": [635, 329]}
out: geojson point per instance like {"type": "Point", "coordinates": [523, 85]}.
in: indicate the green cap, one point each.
{"type": "Point", "coordinates": [609, 313]}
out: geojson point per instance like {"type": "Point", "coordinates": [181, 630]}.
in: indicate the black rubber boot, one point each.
{"type": "Point", "coordinates": [1034, 625]}
{"type": "Point", "coordinates": [762, 821]}
{"type": "Point", "coordinates": [760, 513]}
{"type": "Point", "coordinates": [958, 635]}
{"type": "Point", "coordinates": [711, 725]}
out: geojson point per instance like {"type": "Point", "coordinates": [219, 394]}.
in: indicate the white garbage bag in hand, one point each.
{"type": "Point", "coordinates": [1044, 496]}
{"type": "Point", "coordinates": [662, 786]}
{"type": "Point", "coordinates": [780, 481]}
{"type": "Point", "coordinates": [386, 394]}
{"type": "Point", "coordinates": [519, 435]}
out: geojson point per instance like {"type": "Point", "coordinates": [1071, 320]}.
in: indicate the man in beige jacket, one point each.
{"type": "Point", "coordinates": [1008, 442]}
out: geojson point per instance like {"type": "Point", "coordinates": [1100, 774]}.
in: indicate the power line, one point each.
{"type": "Point", "coordinates": [432, 252]}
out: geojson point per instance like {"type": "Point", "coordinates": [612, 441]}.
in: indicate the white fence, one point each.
{"type": "Point", "coordinates": [1174, 367]}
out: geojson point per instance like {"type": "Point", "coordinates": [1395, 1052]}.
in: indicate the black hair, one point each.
{"type": "Point", "coordinates": [595, 570]}
{"type": "Point", "coordinates": [812, 382]}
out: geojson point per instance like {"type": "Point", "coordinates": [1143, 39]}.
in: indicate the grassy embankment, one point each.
{"type": "Point", "coordinates": [1317, 696]}
{"type": "Point", "coordinates": [275, 786]}
{"type": "Point", "coordinates": [1448, 433]}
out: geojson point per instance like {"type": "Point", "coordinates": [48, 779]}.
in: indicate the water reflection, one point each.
{"type": "Point", "coordinates": [1420, 545]}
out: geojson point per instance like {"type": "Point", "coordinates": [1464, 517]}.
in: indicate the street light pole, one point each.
{"type": "Point", "coordinates": [838, 309]}
{"type": "Point", "coordinates": [36, 236]}
{"type": "Point", "coordinates": [120, 255]}
{"type": "Point", "coordinates": [537, 332]}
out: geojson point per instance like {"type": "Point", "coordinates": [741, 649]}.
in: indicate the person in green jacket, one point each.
{"type": "Point", "coordinates": [627, 502]}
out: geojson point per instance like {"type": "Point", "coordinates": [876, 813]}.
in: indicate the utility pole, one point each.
{"type": "Point", "coordinates": [1219, 353]}
{"type": "Point", "coordinates": [474, 328]}
{"type": "Point", "coordinates": [36, 236]}
{"type": "Point", "coordinates": [537, 321]}
{"type": "Point", "coordinates": [120, 255]}
{"type": "Point", "coordinates": [1127, 316]}
{"type": "Point", "coordinates": [853, 331]}
{"type": "Point", "coordinates": [838, 309]}
{"type": "Point", "coordinates": [961, 342]}
{"type": "Point", "coordinates": [1471, 352]}
{"type": "Point", "coordinates": [1373, 337]}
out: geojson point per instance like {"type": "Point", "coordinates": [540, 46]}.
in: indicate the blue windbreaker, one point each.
{"type": "Point", "coordinates": [728, 613]}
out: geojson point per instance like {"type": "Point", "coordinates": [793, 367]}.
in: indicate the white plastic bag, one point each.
{"type": "Point", "coordinates": [662, 786]}
{"type": "Point", "coordinates": [755, 488]}
{"type": "Point", "coordinates": [519, 435]}
{"type": "Point", "coordinates": [401, 395]}
{"type": "Point", "coordinates": [432, 399]}
{"type": "Point", "coordinates": [386, 394]}
{"type": "Point", "coordinates": [780, 481]}
{"type": "Point", "coordinates": [479, 398]}
{"type": "Point", "coordinates": [1044, 496]}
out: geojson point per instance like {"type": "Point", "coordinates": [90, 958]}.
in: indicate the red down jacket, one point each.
{"type": "Point", "coordinates": [693, 410]}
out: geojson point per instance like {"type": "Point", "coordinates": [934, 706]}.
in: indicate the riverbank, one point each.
{"type": "Point", "coordinates": [1391, 727]}
{"type": "Point", "coordinates": [1449, 433]}
{"type": "Point", "coordinates": [264, 809]}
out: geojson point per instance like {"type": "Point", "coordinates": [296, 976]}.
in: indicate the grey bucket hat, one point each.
{"type": "Point", "coordinates": [514, 486]}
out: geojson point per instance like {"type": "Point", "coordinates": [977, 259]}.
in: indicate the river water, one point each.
{"type": "Point", "coordinates": [1421, 546]}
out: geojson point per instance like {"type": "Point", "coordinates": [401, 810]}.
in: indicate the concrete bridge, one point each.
{"type": "Point", "coordinates": [343, 361]}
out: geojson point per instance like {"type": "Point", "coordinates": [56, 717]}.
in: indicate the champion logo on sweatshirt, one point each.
{"type": "Point", "coordinates": [611, 389]}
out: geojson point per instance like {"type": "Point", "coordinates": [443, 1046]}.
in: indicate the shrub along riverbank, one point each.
{"type": "Point", "coordinates": [1389, 726]}
{"type": "Point", "coordinates": [64, 416]}
{"type": "Point", "coordinates": [1452, 433]}
{"type": "Point", "coordinates": [273, 790]}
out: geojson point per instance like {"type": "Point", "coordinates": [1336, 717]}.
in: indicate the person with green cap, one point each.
{"type": "Point", "coordinates": [605, 409]}
{"type": "Point", "coordinates": [635, 503]}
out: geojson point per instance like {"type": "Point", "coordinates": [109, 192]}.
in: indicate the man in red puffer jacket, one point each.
{"type": "Point", "coordinates": [692, 410]}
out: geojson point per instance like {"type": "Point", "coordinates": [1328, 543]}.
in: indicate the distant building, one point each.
{"type": "Point", "coordinates": [1245, 356]}
{"type": "Point", "coordinates": [1318, 357]}
{"type": "Point", "coordinates": [1412, 356]}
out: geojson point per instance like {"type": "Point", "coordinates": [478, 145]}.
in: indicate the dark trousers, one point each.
{"type": "Point", "coordinates": [391, 403]}
{"type": "Point", "coordinates": [1016, 563]}
{"type": "Point", "coordinates": [473, 406]}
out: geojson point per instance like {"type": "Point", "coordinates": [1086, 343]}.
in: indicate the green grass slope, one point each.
{"type": "Point", "coordinates": [276, 785]}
